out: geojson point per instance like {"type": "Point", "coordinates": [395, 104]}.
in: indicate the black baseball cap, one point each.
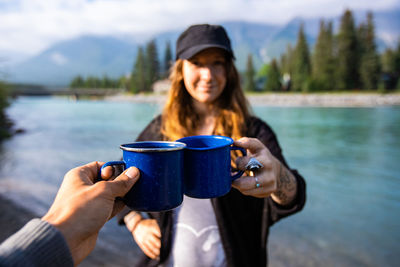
{"type": "Point", "coordinates": [199, 37]}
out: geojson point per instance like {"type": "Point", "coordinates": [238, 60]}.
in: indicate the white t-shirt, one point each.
{"type": "Point", "coordinates": [196, 239]}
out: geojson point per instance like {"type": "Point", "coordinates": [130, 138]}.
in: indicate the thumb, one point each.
{"type": "Point", "coordinates": [124, 182]}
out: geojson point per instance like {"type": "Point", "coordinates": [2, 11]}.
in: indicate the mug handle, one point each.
{"type": "Point", "coordinates": [239, 173]}
{"type": "Point", "coordinates": [110, 163]}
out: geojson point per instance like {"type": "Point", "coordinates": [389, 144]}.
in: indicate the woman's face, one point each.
{"type": "Point", "coordinates": [204, 75]}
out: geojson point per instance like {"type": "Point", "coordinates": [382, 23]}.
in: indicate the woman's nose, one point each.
{"type": "Point", "coordinates": [206, 73]}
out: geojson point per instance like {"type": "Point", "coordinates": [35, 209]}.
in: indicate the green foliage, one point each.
{"type": "Point", "coordinates": [167, 59]}
{"type": "Point", "coordinates": [77, 82]}
{"type": "Point", "coordinates": [273, 82]}
{"type": "Point", "coordinates": [249, 84]}
{"type": "Point", "coordinates": [146, 69]}
{"type": "Point", "coordinates": [369, 65]}
{"type": "Point", "coordinates": [151, 64]}
{"type": "Point", "coordinates": [348, 54]}
{"type": "Point", "coordinates": [95, 82]}
{"type": "Point", "coordinates": [286, 60]}
{"type": "Point", "coordinates": [323, 60]}
{"type": "Point", "coordinates": [301, 62]}
{"type": "Point", "coordinates": [138, 77]}
{"type": "Point", "coordinates": [345, 61]}
{"type": "Point", "coordinates": [263, 71]}
{"type": "Point", "coordinates": [390, 61]}
{"type": "Point", "coordinates": [313, 85]}
{"type": "Point", "coordinates": [4, 122]}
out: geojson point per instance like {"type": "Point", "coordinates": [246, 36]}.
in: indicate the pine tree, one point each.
{"type": "Point", "coordinates": [249, 75]}
{"type": "Point", "coordinates": [369, 64]}
{"type": "Point", "coordinates": [167, 59]}
{"type": "Point", "coordinates": [138, 76]}
{"type": "Point", "coordinates": [273, 82]}
{"type": "Point", "coordinates": [286, 60]}
{"type": "Point", "coordinates": [323, 62]}
{"type": "Point", "coordinates": [390, 61]}
{"type": "Point", "coordinates": [301, 62]}
{"type": "Point", "coordinates": [286, 68]}
{"type": "Point", "coordinates": [4, 122]}
{"type": "Point", "coordinates": [77, 82]}
{"type": "Point", "coordinates": [151, 64]}
{"type": "Point", "coordinates": [397, 65]}
{"type": "Point", "coordinates": [348, 54]}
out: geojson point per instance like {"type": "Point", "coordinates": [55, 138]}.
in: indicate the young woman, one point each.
{"type": "Point", "coordinates": [232, 230]}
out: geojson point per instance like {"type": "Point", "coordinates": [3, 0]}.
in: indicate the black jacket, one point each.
{"type": "Point", "coordinates": [243, 221]}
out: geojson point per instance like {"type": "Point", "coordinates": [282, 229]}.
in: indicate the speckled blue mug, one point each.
{"type": "Point", "coordinates": [208, 165]}
{"type": "Point", "coordinates": [160, 186]}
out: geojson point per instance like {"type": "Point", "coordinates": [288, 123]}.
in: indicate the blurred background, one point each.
{"type": "Point", "coordinates": [69, 73]}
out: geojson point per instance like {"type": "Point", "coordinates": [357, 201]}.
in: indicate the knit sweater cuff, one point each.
{"type": "Point", "coordinates": [38, 243]}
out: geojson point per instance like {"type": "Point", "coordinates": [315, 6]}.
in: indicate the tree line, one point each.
{"type": "Point", "coordinates": [348, 60]}
{"type": "Point", "coordinates": [104, 82]}
{"type": "Point", "coordinates": [145, 71]}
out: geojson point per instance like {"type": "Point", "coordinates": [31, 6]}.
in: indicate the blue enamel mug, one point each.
{"type": "Point", "coordinates": [160, 186]}
{"type": "Point", "coordinates": [207, 170]}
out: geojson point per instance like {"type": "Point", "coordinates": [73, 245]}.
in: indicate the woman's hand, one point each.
{"type": "Point", "coordinates": [147, 235]}
{"type": "Point", "coordinates": [274, 179]}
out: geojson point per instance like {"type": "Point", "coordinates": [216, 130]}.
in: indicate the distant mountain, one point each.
{"type": "Point", "coordinates": [86, 55]}
{"type": "Point", "coordinates": [100, 55]}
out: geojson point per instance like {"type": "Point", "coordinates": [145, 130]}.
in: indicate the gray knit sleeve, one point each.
{"type": "Point", "coordinates": [38, 243]}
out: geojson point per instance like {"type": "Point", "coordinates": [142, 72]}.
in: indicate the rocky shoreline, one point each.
{"type": "Point", "coordinates": [288, 99]}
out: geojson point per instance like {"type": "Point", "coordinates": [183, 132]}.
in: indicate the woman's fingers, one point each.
{"type": "Point", "coordinates": [244, 183]}
{"type": "Point", "coordinates": [148, 251]}
{"type": "Point", "coordinates": [156, 230]}
{"type": "Point", "coordinates": [247, 185]}
{"type": "Point", "coordinates": [252, 144]}
{"type": "Point", "coordinates": [152, 246]}
{"type": "Point", "coordinates": [241, 162]}
{"type": "Point", "coordinates": [154, 242]}
{"type": "Point", "coordinates": [147, 235]}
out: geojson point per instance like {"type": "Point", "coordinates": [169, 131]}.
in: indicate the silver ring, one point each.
{"type": "Point", "coordinates": [258, 185]}
{"type": "Point", "coordinates": [253, 165]}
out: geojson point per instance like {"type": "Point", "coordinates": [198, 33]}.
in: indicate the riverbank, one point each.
{"type": "Point", "coordinates": [288, 99]}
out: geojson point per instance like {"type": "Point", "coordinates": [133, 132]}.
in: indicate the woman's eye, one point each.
{"type": "Point", "coordinates": [219, 62]}
{"type": "Point", "coordinates": [195, 62]}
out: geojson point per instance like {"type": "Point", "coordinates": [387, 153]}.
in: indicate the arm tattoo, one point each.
{"type": "Point", "coordinates": [285, 186]}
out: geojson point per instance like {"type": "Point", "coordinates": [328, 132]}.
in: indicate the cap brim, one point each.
{"type": "Point", "coordinates": [198, 48]}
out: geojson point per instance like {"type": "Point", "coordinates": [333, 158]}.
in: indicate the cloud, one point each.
{"type": "Point", "coordinates": [31, 25]}
{"type": "Point", "coordinates": [58, 58]}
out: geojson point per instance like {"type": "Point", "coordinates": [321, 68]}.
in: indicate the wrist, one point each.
{"type": "Point", "coordinates": [286, 187]}
{"type": "Point", "coordinates": [132, 219]}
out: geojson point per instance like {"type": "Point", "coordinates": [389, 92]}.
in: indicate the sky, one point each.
{"type": "Point", "coordinates": [30, 26]}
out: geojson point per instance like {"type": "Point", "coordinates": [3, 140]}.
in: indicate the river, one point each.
{"type": "Point", "coordinates": [348, 156]}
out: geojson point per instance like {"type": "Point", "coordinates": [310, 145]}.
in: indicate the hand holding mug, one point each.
{"type": "Point", "coordinates": [82, 206]}
{"type": "Point", "coordinates": [272, 179]}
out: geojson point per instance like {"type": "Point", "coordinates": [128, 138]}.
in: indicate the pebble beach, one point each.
{"type": "Point", "coordinates": [289, 99]}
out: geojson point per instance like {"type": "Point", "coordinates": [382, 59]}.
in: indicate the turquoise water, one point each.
{"type": "Point", "coordinates": [348, 156]}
